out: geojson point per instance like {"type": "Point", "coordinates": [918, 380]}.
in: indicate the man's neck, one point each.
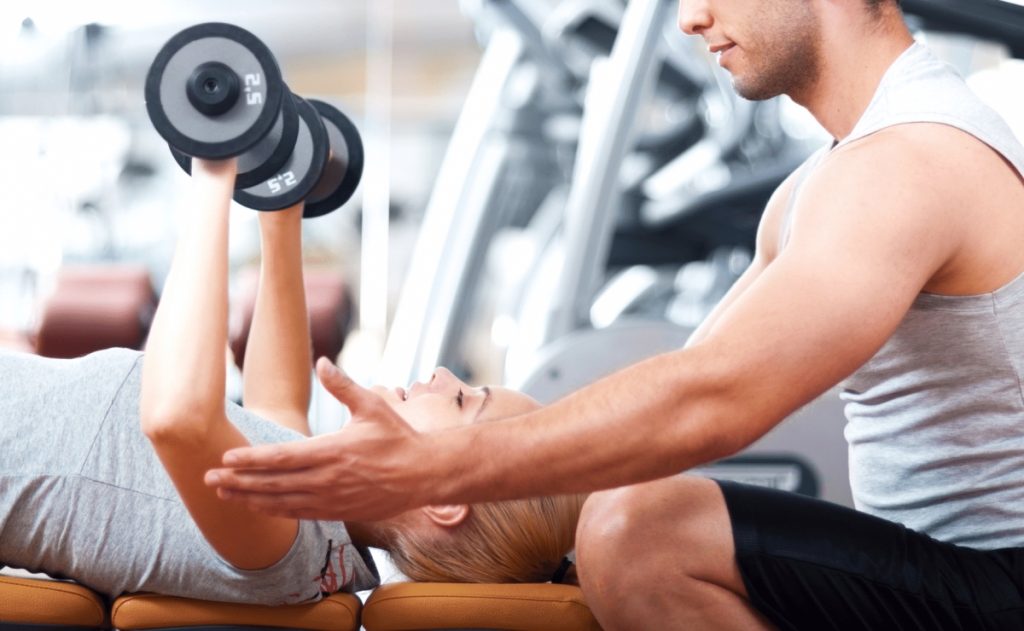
{"type": "Point", "coordinates": [852, 65]}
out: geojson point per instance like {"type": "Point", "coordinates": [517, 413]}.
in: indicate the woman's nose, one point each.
{"type": "Point", "coordinates": [442, 378]}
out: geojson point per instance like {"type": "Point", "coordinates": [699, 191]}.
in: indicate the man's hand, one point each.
{"type": "Point", "coordinates": [367, 471]}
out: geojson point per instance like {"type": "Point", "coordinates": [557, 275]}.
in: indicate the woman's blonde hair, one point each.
{"type": "Point", "coordinates": [515, 541]}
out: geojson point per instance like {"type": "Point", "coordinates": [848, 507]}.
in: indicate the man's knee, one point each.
{"type": "Point", "coordinates": [627, 533]}
{"type": "Point", "coordinates": [603, 530]}
{"type": "Point", "coordinates": [604, 542]}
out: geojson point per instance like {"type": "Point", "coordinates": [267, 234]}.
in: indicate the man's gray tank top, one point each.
{"type": "Point", "coordinates": [936, 418]}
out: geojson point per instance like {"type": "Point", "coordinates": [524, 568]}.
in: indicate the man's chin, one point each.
{"type": "Point", "coordinates": [753, 92]}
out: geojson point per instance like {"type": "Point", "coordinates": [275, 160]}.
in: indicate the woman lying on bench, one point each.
{"type": "Point", "coordinates": [101, 478]}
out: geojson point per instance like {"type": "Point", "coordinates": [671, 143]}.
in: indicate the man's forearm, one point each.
{"type": "Point", "coordinates": [653, 419]}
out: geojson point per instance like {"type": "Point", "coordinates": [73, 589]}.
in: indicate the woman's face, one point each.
{"type": "Point", "coordinates": [445, 401]}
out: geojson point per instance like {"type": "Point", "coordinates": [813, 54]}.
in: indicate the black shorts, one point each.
{"type": "Point", "coordinates": [810, 565]}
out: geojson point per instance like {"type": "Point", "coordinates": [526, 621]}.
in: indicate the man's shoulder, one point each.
{"type": "Point", "coordinates": [893, 187]}
{"type": "Point", "coordinates": [918, 148]}
{"type": "Point", "coordinates": [916, 163]}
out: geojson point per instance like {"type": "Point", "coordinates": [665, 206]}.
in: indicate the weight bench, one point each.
{"type": "Point", "coordinates": [32, 604]}
{"type": "Point", "coordinates": [511, 607]}
{"type": "Point", "coordinates": [136, 612]}
{"type": "Point", "coordinates": [392, 607]}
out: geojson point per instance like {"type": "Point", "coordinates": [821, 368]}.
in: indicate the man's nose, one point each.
{"type": "Point", "coordinates": [694, 16]}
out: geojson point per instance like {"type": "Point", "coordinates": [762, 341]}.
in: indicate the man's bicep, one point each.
{"type": "Point", "coordinates": [767, 244]}
{"type": "Point", "coordinates": [742, 283]}
{"type": "Point", "coordinates": [822, 308]}
{"type": "Point", "coordinates": [819, 317]}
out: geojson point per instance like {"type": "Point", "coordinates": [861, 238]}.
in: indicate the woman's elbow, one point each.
{"type": "Point", "coordinates": [176, 424]}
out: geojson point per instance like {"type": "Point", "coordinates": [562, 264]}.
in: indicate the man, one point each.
{"type": "Point", "coordinates": [890, 262]}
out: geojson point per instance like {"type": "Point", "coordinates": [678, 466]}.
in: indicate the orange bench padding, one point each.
{"type": "Point", "coordinates": [42, 602]}
{"type": "Point", "coordinates": [515, 607]}
{"type": "Point", "coordinates": [337, 612]}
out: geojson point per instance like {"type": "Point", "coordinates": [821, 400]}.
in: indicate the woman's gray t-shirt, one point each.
{"type": "Point", "coordinates": [83, 495]}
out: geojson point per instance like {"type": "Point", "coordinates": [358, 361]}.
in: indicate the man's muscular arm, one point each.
{"type": "Point", "coordinates": [868, 232]}
{"type": "Point", "coordinates": [767, 248]}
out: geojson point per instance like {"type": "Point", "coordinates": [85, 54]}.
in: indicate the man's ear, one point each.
{"type": "Point", "coordinates": [447, 515]}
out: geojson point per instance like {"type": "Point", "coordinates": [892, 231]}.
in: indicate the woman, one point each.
{"type": "Point", "coordinates": [101, 478]}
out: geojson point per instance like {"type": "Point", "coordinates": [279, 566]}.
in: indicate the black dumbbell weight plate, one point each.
{"type": "Point", "coordinates": [299, 174]}
{"type": "Point", "coordinates": [213, 91]}
{"type": "Point", "coordinates": [344, 165]}
{"type": "Point", "coordinates": [270, 153]}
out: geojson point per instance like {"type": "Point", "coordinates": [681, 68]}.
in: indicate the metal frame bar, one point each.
{"type": "Point", "coordinates": [617, 88]}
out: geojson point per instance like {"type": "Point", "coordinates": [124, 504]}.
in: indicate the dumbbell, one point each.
{"type": "Point", "coordinates": [215, 91]}
{"type": "Point", "coordinates": [344, 168]}
{"type": "Point", "coordinates": [267, 156]}
{"type": "Point", "coordinates": [324, 168]}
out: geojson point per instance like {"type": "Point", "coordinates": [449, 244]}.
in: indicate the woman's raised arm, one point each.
{"type": "Point", "coordinates": [183, 377]}
{"type": "Point", "coordinates": [277, 378]}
